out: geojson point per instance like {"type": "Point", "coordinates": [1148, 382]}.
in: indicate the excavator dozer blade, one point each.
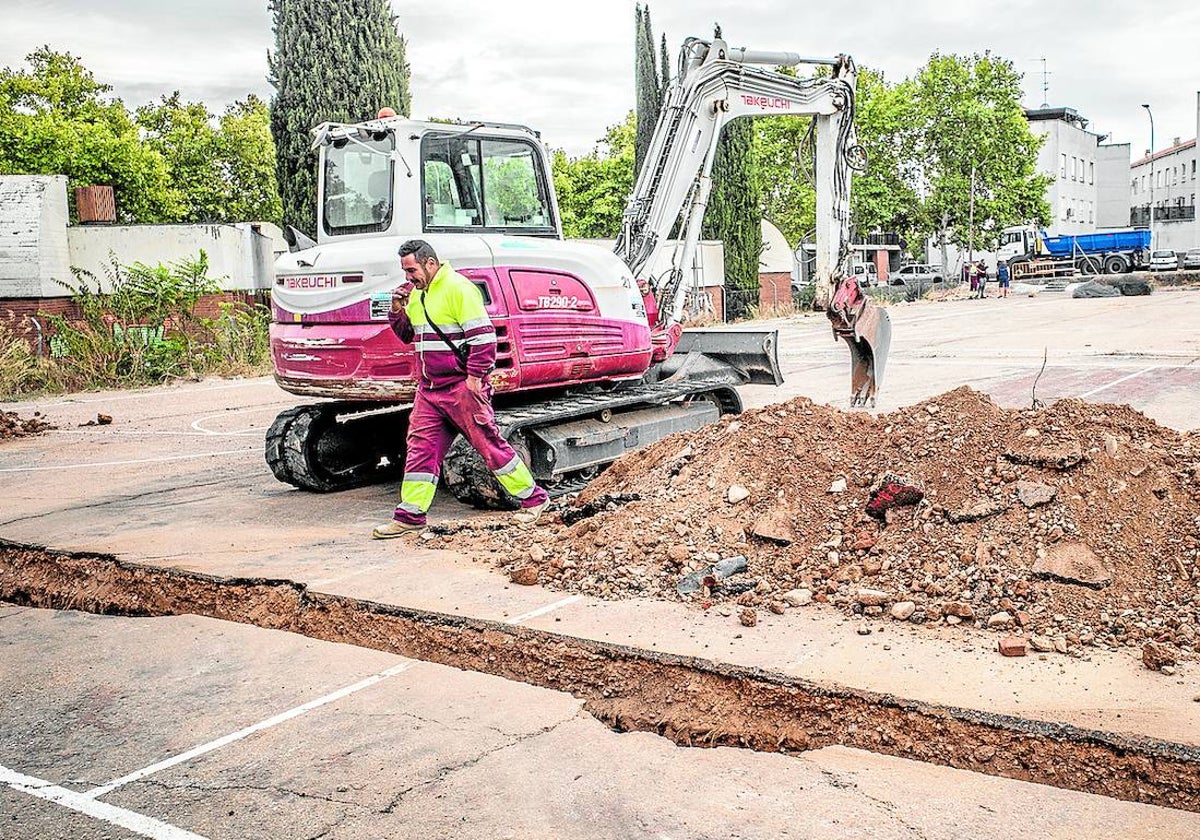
{"type": "Point", "coordinates": [869, 344]}
{"type": "Point", "coordinates": [744, 357]}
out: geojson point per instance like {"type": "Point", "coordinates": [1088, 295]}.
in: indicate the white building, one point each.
{"type": "Point", "coordinates": [1168, 178]}
{"type": "Point", "coordinates": [1088, 191]}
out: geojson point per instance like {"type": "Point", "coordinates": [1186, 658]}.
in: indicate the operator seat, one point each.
{"type": "Point", "coordinates": [379, 190]}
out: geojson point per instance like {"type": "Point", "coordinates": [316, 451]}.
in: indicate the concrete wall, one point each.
{"type": "Point", "coordinates": [1112, 185]}
{"type": "Point", "coordinates": [1175, 236]}
{"type": "Point", "coordinates": [38, 248]}
{"type": "Point", "coordinates": [240, 256]}
{"type": "Point", "coordinates": [34, 258]}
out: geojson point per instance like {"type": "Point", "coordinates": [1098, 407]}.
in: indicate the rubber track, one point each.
{"type": "Point", "coordinates": [516, 419]}
{"type": "Point", "coordinates": [473, 484]}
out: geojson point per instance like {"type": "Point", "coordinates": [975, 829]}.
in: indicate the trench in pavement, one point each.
{"type": "Point", "coordinates": [693, 702]}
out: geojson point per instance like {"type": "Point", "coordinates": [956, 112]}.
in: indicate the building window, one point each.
{"type": "Point", "coordinates": [1063, 173]}
{"type": "Point", "coordinates": [1091, 172]}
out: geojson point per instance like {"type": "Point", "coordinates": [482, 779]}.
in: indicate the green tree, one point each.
{"type": "Point", "coordinates": [665, 57]}
{"type": "Point", "coordinates": [592, 189]}
{"type": "Point", "coordinates": [648, 83]}
{"type": "Point", "coordinates": [333, 62]}
{"type": "Point", "coordinates": [734, 213]}
{"type": "Point", "coordinates": [783, 169]}
{"type": "Point", "coordinates": [56, 119]}
{"type": "Point", "coordinates": [248, 155]}
{"type": "Point", "coordinates": [922, 136]}
{"type": "Point", "coordinates": [220, 171]}
{"type": "Point", "coordinates": [885, 197]}
{"type": "Point", "coordinates": [968, 119]}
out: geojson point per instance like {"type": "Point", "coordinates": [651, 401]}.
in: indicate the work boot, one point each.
{"type": "Point", "coordinates": [528, 517]}
{"type": "Point", "coordinates": [395, 529]}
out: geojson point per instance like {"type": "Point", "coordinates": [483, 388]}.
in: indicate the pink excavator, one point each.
{"type": "Point", "coordinates": [592, 356]}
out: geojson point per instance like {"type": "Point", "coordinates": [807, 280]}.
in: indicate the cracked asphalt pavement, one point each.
{"type": "Point", "coordinates": [187, 727]}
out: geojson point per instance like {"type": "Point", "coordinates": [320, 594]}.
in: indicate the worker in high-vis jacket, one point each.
{"type": "Point", "coordinates": [441, 313]}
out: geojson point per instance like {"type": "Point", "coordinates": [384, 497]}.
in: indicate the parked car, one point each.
{"type": "Point", "coordinates": [1163, 261]}
{"type": "Point", "coordinates": [1191, 260]}
{"type": "Point", "coordinates": [910, 275]}
{"type": "Point", "coordinates": [866, 273]}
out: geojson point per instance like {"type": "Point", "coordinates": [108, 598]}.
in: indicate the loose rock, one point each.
{"type": "Point", "coordinates": [1012, 646]}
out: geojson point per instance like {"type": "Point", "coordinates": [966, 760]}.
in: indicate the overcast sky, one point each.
{"type": "Point", "coordinates": [565, 67]}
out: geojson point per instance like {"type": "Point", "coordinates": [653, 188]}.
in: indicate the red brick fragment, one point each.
{"type": "Point", "coordinates": [1013, 646]}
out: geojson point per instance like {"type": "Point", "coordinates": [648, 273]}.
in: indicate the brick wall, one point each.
{"type": "Point", "coordinates": [775, 290]}
{"type": "Point", "coordinates": [16, 312]}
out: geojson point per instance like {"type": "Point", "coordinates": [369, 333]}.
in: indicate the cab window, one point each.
{"type": "Point", "coordinates": [358, 185]}
{"type": "Point", "coordinates": [483, 185]}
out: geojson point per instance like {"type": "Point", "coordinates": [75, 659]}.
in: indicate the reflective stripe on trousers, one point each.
{"type": "Point", "coordinates": [438, 416]}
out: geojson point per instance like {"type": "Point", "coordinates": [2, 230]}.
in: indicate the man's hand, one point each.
{"type": "Point", "coordinates": [400, 296]}
{"type": "Point", "coordinates": [475, 385]}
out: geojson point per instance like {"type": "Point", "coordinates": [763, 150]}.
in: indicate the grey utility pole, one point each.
{"type": "Point", "coordinates": [1151, 113]}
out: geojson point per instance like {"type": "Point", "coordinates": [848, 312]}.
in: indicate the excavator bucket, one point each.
{"type": "Point", "coordinates": [867, 330]}
{"type": "Point", "coordinates": [740, 357]}
{"type": "Point", "coordinates": [869, 343]}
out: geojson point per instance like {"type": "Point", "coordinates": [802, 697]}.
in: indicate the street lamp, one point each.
{"type": "Point", "coordinates": [1151, 113]}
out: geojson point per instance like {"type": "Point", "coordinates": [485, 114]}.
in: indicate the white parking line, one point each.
{"type": "Point", "coordinates": [1117, 382]}
{"type": "Point", "coordinates": [352, 573]}
{"type": "Point", "coordinates": [249, 730]}
{"type": "Point", "coordinates": [155, 394]}
{"type": "Point", "coordinates": [198, 423]}
{"type": "Point", "coordinates": [101, 431]}
{"type": "Point", "coordinates": [81, 803]}
{"type": "Point", "coordinates": [543, 610]}
{"type": "Point", "coordinates": [256, 450]}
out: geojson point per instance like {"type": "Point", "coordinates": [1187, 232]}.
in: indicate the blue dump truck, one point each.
{"type": "Point", "coordinates": [1032, 253]}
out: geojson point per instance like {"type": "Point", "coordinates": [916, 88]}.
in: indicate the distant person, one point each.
{"type": "Point", "coordinates": [972, 269]}
{"type": "Point", "coordinates": [1002, 278]}
{"type": "Point", "coordinates": [441, 313]}
{"type": "Point", "coordinates": [981, 278]}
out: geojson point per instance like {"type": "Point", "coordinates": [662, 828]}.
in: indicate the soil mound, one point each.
{"type": "Point", "coordinates": [1077, 524]}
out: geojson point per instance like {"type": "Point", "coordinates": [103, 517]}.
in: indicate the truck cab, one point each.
{"type": "Point", "coordinates": [1017, 241]}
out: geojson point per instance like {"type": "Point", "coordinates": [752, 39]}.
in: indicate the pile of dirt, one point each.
{"type": "Point", "coordinates": [1073, 525]}
{"type": "Point", "coordinates": [12, 426]}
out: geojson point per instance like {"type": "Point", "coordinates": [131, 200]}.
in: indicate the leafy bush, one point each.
{"type": "Point", "coordinates": [21, 371]}
{"type": "Point", "coordinates": [139, 326]}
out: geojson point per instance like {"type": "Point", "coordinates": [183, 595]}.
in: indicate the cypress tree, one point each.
{"type": "Point", "coordinates": [666, 70]}
{"type": "Point", "coordinates": [333, 62]}
{"type": "Point", "coordinates": [734, 215]}
{"type": "Point", "coordinates": [649, 87]}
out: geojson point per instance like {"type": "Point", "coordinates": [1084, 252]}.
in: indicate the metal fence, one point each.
{"type": "Point", "coordinates": [1140, 216]}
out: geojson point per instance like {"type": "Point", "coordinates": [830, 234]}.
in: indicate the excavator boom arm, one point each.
{"type": "Point", "coordinates": [716, 84]}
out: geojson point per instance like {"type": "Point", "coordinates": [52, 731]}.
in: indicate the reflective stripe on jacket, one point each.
{"type": "Point", "coordinates": [453, 303]}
